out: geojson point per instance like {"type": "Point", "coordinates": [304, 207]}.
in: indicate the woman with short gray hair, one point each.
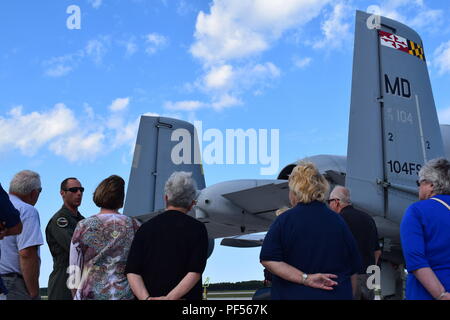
{"type": "Point", "coordinates": [180, 189]}
{"type": "Point", "coordinates": [425, 235]}
{"type": "Point", "coordinates": [168, 254]}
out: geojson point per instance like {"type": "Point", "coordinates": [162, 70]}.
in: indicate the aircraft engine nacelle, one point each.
{"type": "Point", "coordinates": [332, 167]}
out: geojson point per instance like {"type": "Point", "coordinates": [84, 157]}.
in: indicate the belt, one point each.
{"type": "Point", "coordinates": [12, 274]}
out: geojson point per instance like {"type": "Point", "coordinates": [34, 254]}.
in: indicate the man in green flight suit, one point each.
{"type": "Point", "coordinates": [59, 233]}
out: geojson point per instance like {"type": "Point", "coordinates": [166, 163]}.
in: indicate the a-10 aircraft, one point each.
{"type": "Point", "coordinates": [393, 131]}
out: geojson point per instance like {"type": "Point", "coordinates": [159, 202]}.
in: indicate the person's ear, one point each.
{"type": "Point", "coordinates": [192, 205]}
{"type": "Point", "coordinates": [166, 199]}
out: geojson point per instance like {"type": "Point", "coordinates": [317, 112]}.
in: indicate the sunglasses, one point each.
{"type": "Point", "coordinates": [331, 200]}
{"type": "Point", "coordinates": [75, 189]}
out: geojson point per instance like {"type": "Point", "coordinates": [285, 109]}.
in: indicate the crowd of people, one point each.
{"type": "Point", "coordinates": [318, 248]}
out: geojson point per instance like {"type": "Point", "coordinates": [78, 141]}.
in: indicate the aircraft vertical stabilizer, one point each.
{"type": "Point", "coordinates": [393, 127]}
{"type": "Point", "coordinates": [163, 145]}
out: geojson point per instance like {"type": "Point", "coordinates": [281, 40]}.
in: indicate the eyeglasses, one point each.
{"type": "Point", "coordinates": [420, 182]}
{"type": "Point", "coordinates": [331, 200]}
{"type": "Point", "coordinates": [75, 189]}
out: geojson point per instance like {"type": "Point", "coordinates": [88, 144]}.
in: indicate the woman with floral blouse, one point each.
{"type": "Point", "coordinates": [100, 246]}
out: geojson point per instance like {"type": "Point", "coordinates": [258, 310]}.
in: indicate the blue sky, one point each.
{"type": "Point", "coordinates": [71, 99]}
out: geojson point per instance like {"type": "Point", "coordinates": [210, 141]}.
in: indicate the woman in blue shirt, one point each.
{"type": "Point", "coordinates": [425, 235]}
{"type": "Point", "coordinates": [309, 249]}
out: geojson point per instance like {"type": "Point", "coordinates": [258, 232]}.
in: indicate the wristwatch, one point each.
{"type": "Point", "coordinates": [304, 277]}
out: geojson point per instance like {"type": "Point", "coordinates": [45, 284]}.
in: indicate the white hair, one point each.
{"type": "Point", "coordinates": [437, 171]}
{"type": "Point", "coordinates": [342, 193]}
{"type": "Point", "coordinates": [180, 189]}
{"type": "Point", "coordinates": [24, 182]}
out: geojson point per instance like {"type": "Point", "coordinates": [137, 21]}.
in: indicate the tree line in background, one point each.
{"type": "Point", "coordinates": [231, 286]}
{"type": "Point", "coordinates": [221, 286]}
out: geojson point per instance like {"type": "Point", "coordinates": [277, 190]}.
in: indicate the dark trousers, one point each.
{"type": "Point", "coordinates": [57, 285]}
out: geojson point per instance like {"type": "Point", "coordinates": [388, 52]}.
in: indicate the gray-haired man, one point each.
{"type": "Point", "coordinates": [20, 262]}
{"type": "Point", "coordinates": [169, 252]}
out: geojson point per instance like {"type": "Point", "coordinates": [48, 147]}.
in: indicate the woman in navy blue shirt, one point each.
{"type": "Point", "coordinates": [309, 249]}
{"type": "Point", "coordinates": [425, 235]}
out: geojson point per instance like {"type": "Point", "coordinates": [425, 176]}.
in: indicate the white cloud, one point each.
{"type": "Point", "coordinates": [62, 133]}
{"type": "Point", "coordinates": [226, 101]}
{"type": "Point", "coordinates": [226, 80]}
{"type": "Point", "coordinates": [60, 66]}
{"type": "Point", "coordinates": [96, 49]}
{"type": "Point", "coordinates": [131, 47]}
{"type": "Point", "coordinates": [63, 65]}
{"type": "Point", "coordinates": [219, 77]}
{"type": "Point", "coordinates": [79, 146]}
{"type": "Point", "coordinates": [301, 62]}
{"type": "Point", "coordinates": [95, 3]}
{"type": "Point", "coordinates": [184, 7]}
{"type": "Point", "coordinates": [188, 105]}
{"type": "Point", "coordinates": [230, 39]}
{"type": "Point", "coordinates": [218, 103]}
{"type": "Point", "coordinates": [58, 71]}
{"type": "Point", "coordinates": [335, 28]}
{"type": "Point", "coordinates": [29, 132]}
{"type": "Point", "coordinates": [89, 111]}
{"type": "Point", "coordinates": [442, 58]}
{"type": "Point", "coordinates": [151, 114]}
{"type": "Point", "coordinates": [155, 42]}
{"type": "Point", "coordinates": [427, 18]}
{"type": "Point", "coordinates": [119, 104]}
{"type": "Point", "coordinates": [267, 69]}
{"type": "Point", "coordinates": [241, 28]}
{"type": "Point", "coordinates": [414, 13]}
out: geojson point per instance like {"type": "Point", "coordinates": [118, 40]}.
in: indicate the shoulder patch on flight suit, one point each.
{"type": "Point", "coordinates": [62, 222]}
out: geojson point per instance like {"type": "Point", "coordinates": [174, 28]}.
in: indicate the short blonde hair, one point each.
{"type": "Point", "coordinates": [307, 184]}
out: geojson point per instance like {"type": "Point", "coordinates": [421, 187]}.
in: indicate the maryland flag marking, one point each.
{"type": "Point", "coordinates": [399, 43]}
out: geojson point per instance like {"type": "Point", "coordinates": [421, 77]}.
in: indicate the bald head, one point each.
{"type": "Point", "coordinates": [341, 193]}
{"type": "Point", "coordinates": [339, 198]}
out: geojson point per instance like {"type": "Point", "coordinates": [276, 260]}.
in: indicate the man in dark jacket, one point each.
{"type": "Point", "coordinates": [365, 233]}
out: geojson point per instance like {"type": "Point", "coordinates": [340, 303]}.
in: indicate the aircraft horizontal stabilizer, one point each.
{"type": "Point", "coordinates": [266, 198]}
{"type": "Point", "coordinates": [245, 241]}
{"type": "Point", "coordinates": [145, 217]}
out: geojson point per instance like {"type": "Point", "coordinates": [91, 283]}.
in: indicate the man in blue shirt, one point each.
{"type": "Point", "coordinates": [10, 224]}
{"type": "Point", "coordinates": [20, 262]}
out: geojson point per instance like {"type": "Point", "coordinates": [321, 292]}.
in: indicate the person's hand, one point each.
{"type": "Point", "coordinates": [159, 298]}
{"type": "Point", "coordinates": [445, 297]}
{"type": "Point", "coordinates": [2, 230]}
{"type": "Point", "coordinates": [321, 281]}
